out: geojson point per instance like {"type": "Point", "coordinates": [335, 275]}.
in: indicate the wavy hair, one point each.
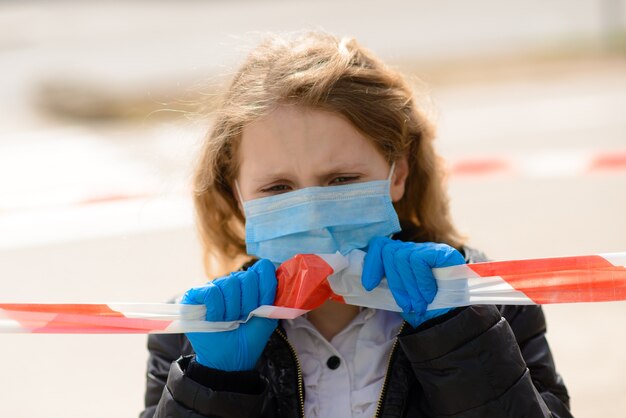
{"type": "Point", "coordinates": [318, 70]}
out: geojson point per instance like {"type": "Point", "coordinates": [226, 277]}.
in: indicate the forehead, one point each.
{"type": "Point", "coordinates": [298, 139]}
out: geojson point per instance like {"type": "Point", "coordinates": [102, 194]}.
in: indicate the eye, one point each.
{"type": "Point", "coordinates": [276, 189]}
{"type": "Point", "coordinates": [343, 179]}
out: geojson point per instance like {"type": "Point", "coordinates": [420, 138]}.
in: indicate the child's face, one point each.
{"type": "Point", "coordinates": [295, 147]}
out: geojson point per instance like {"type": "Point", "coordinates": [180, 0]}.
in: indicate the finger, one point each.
{"type": "Point", "coordinates": [259, 328]}
{"type": "Point", "coordinates": [413, 318]}
{"type": "Point", "coordinates": [423, 273]}
{"type": "Point", "coordinates": [194, 296]}
{"type": "Point", "coordinates": [249, 282]}
{"type": "Point", "coordinates": [231, 289]}
{"type": "Point", "coordinates": [430, 255]}
{"type": "Point", "coordinates": [267, 281]}
{"type": "Point", "coordinates": [440, 255]}
{"type": "Point", "coordinates": [393, 278]}
{"type": "Point", "coordinates": [410, 281]}
{"type": "Point", "coordinates": [449, 256]}
{"type": "Point", "coordinates": [373, 269]}
{"type": "Point", "coordinates": [211, 297]}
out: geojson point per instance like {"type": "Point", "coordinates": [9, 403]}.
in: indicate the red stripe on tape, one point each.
{"type": "Point", "coordinates": [561, 280]}
{"type": "Point", "coordinates": [609, 162]}
{"type": "Point", "coordinates": [480, 167]}
{"type": "Point", "coordinates": [112, 198]}
{"type": "Point", "coordinates": [522, 267]}
{"type": "Point", "coordinates": [78, 318]}
{"type": "Point", "coordinates": [63, 308]}
{"type": "Point", "coordinates": [573, 286]}
{"type": "Point", "coordinates": [302, 282]}
{"type": "Point", "coordinates": [72, 329]}
{"type": "Point", "coordinates": [81, 324]}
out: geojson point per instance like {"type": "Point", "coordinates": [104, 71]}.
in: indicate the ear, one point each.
{"type": "Point", "coordinates": [398, 179]}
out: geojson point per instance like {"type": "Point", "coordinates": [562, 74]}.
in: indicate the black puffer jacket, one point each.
{"type": "Point", "coordinates": [478, 361]}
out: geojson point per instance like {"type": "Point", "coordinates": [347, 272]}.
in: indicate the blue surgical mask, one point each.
{"type": "Point", "coordinates": [319, 220]}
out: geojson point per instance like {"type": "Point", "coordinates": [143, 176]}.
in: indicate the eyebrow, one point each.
{"type": "Point", "coordinates": [342, 168]}
{"type": "Point", "coordinates": [338, 168]}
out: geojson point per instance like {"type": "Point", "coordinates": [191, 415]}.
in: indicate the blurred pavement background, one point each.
{"type": "Point", "coordinates": [96, 150]}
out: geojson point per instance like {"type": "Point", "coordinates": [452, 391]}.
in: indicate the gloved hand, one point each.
{"type": "Point", "coordinates": [232, 298]}
{"type": "Point", "coordinates": [408, 269]}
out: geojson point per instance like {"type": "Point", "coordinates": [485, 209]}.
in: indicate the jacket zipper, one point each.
{"type": "Point", "coordinates": [383, 391]}
{"type": "Point", "coordinates": [300, 378]}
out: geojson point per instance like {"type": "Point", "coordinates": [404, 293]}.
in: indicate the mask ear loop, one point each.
{"type": "Point", "coordinates": [391, 170]}
{"type": "Point", "coordinates": [239, 193]}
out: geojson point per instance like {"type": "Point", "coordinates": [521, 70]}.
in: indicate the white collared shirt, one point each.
{"type": "Point", "coordinates": [360, 354]}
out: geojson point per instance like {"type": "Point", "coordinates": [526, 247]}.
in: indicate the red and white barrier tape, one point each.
{"type": "Point", "coordinates": [306, 281]}
{"type": "Point", "coordinates": [562, 164]}
{"type": "Point", "coordinates": [544, 165]}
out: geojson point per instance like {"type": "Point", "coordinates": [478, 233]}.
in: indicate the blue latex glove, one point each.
{"type": "Point", "coordinates": [232, 298]}
{"type": "Point", "coordinates": [408, 269]}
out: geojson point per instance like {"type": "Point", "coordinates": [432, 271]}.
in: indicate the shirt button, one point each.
{"type": "Point", "coordinates": [333, 362]}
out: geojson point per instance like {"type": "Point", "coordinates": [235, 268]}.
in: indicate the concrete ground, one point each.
{"type": "Point", "coordinates": [145, 249]}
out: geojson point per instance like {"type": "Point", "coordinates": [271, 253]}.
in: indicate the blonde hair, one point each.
{"type": "Point", "coordinates": [318, 70]}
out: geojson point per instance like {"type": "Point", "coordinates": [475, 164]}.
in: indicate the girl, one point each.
{"type": "Point", "coordinates": [318, 147]}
